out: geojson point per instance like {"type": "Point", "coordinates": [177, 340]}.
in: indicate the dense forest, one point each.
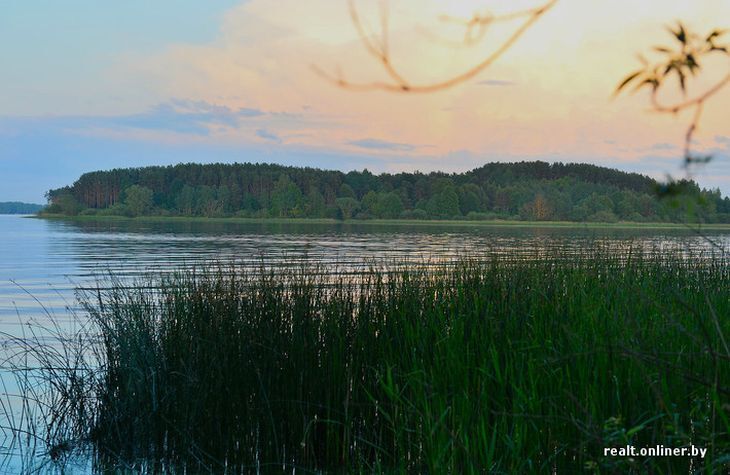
{"type": "Point", "coordinates": [16, 207]}
{"type": "Point", "coordinates": [525, 191]}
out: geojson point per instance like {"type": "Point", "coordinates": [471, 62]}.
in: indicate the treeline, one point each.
{"type": "Point", "coordinates": [16, 207]}
{"type": "Point", "coordinates": [525, 191]}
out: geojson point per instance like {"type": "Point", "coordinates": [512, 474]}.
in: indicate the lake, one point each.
{"type": "Point", "coordinates": [42, 262]}
{"type": "Point", "coordinates": [45, 260]}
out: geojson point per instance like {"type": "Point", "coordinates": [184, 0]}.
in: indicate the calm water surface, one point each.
{"type": "Point", "coordinates": [42, 262]}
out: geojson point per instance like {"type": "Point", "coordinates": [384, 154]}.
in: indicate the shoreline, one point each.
{"type": "Point", "coordinates": [391, 222]}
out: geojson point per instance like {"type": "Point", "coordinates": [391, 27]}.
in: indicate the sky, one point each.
{"type": "Point", "coordinates": [90, 85]}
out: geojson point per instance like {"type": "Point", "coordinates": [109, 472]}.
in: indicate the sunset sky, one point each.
{"type": "Point", "coordinates": [92, 85]}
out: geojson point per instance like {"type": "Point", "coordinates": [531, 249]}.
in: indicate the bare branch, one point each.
{"type": "Point", "coordinates": [482, 21]}
{"type": "Point", "coordinates": [379, 49]}
{"type": "Point", "coordinates": [694, 102]}
{"type": "Point", "coordinates": [682, 63]}
{"type": "Point", "coordinates": [698, 104]}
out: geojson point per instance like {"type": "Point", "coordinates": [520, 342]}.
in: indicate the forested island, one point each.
{"type": "Point", "coordinates": [16, 207]}
{"type": "Point", "coordinates": [535, 191]}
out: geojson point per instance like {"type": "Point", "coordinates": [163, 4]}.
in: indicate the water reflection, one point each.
{"type": "Point", "coordinates": [44, 260]}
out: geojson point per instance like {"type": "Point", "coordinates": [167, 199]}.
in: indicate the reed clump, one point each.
{"type": "Point", "coordinates": [473, 366]}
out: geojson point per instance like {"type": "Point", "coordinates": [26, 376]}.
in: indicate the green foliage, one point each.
{"type": "Point", "coordinates": [15, 207]}
{"type": "Point", "coordinates": [316, 206]}
{"type": "Point", "coordinates": [389, 206]}
{"type": "Point", "coordinates": [286, 198]}
{"type": "Point", "coordinates": [527, 190]}
{"type": "Point", "coordinates": [538, 209]}
{"type": "Point", "coordinates": [186, 200]}
{"type": "Point", "coordinates": [470, 198]}
{"type": "Point", "coordinates": [603, 216]}
{"type": "Point", "coordinates": [347, 207]}
{"type": "Point", "coordinates": [346, 191]}
{"type": "Point", "coordinates": [383, 205]}
{"type": "Point", "coordinates": [138, 200]}
{"type": "Point", "coordinates": [444, 204]}
{"type": "Point", "coordinates": [474, 216]}
{"type": "Point", "coordinates": [414, 214]}
{"type": "Point", "coordinates": [64, 202]}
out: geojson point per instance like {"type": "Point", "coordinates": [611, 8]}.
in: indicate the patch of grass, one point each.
{"type": "Point", "coordinates": [466, 367]}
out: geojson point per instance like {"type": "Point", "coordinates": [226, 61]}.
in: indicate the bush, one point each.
{"type": "Point", "coordinates": [138, 200]}
{"type": "Point", "coordinates": [414, 214]}
{"type": "Point", "coordinates": [117, 210]}
{"type": "Point", "coordinates": [603, 217]}
{"type": "Point", "coordinates": [476, 216]}
{"type": "Point", "coordinates": [636, 218]}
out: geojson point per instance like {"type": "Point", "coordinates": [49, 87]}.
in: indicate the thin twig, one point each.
{"type": "Point", "coordinates": [380, 50]}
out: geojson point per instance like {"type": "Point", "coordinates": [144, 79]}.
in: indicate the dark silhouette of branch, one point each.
{"type": "Point", "coordinates": [379, 48]}
{"type": "Point", "coordinates": [698, 104]}
{"type": "Point", "coordinates": [682, 63]}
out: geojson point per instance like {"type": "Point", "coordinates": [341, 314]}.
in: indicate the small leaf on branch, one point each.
{"type": "Point", "coordinates": [681, 34]}
{"type": "Point", "coordinates": [627, 80]}
{"type": "Point", "coordinates": [714, 34]}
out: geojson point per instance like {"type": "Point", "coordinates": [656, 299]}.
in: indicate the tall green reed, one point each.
{"type": "Point", "coordinates": [472, 366]}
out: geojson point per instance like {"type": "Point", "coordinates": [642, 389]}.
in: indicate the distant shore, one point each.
{"type": "Point", "coordinates": [391, 222]}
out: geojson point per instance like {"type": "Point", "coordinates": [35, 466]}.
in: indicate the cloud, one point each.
{"type": "Point", "coordinates": [203, 107]}
{"type": "Point", "coordinates": [174, 118]}
{"type": "Point", "coordinates": [267, 135]}
{"type": "Point", "coordinates": [194, 117]}
{"type": "Point", "coordinates": [496, 82]}
{"type": "Point", "coordinates": [722, 139]}
{"type": "Point", "coordinates": [376, 144]}
{"type": "Point", "coordinates": [663, 146]}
